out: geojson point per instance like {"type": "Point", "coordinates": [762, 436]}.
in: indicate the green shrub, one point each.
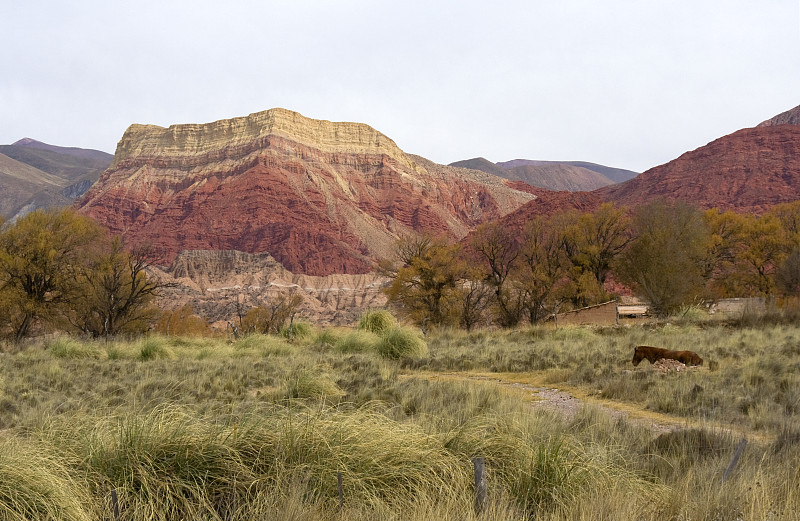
{"type": "Point", "coordinates": [377, 321]}
{"type": "Point", "coordinates": [400, 342]}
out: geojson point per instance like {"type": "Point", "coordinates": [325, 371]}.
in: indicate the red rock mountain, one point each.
{"type": "Point", "coordinates": [320, 197]}
{"type": "Point", "coordinates": [747, 171]}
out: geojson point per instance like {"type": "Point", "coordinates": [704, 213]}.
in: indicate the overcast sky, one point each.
{"type": "Point", "coordinates": [626, 83]}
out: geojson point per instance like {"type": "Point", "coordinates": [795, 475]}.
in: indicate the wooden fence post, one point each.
{"type": "Point", "coordinates": [735, 459]}
{"type": "Point", "coordinates": [479, 466]}
{"type": "Point", "coordinates": [115, 503]}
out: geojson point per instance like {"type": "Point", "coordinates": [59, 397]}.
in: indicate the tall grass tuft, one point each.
{"type": "Point", "coordinates": [358, 341]}
{"type": "Point", "coordinates": [377, 321]}
{"type": "Point", "coordinates": [401, 342]}
{"type": "Point", "coordinates": [66, 347]}
{"type": "Point", "coordinates": [34, 484]}
{"type": "Point", "coordinates": [304, 382]}
{"type": "Point", "coordinates": [153, 348]}
{"type": "Point", "coordinates": [298, 331]}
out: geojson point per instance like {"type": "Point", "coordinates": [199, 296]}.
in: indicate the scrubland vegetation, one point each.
{"type": "Point", "coordinates": [258, 428]}
{"type": "Point", "coordinates": [258, 423]}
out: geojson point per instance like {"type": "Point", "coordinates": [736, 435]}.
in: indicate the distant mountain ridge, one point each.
{"type": "Point", "coordinates": [749, 170]}
{"type": "Point", "coordinates": [573, 176]}
{"type": "Point", "coordinates": [38, 175]}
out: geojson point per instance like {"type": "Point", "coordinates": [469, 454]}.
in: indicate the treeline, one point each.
{"type": "Point", "coordinates": [669, 253]}
{"type": "Point", "coordinates": [61, 271]}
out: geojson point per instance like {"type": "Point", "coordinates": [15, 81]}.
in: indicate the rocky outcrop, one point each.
{"type": "Point", "coordinates": [320, 197]}
{"type": "Point", "coordinates": [790, 117]}
{"type": "Point", "coordinates": [220, 284]}
{"type": "Point", "coordinates": [747, 171]}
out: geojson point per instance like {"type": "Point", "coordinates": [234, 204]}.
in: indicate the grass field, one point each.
{"type": "Point", "coordinates": [202, 428]}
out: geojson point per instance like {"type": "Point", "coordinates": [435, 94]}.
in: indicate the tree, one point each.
{"type": "Point", "coordinates": [665, 261]}
{"type": "Point", "coordinates": [182, 322]}
{"type": "Point", "coordinates": [271, 316]}
{"type": "Point", "coordinates": [426, 285]}
{"type": "Point", "coordinates": [543, 269]}
{"type": "Point", "coordinates": [41, 255]}
{"type": "Point", "coordinates": [116, 292]}
{"type": "Point", "coordinates": [591, 242]}
{"type": "Point", "coordinates": [498, 248]}
{"type": "Point", "coordinates": [474, 297]}
{"type": "Point", "coordinates": [787, 277]}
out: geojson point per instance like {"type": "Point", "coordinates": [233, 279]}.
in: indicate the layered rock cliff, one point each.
{"type": "Point", "coordinates": [320, 197]}
{"type": "Point", "coordinates": [220, 283]}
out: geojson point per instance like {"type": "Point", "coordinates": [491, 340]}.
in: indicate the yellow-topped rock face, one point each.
{"type": "Point", "coordinates": [187, 140]}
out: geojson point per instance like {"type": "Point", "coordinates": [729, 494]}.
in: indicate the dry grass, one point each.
{"type": "Point", "coordinates": [204, 429]}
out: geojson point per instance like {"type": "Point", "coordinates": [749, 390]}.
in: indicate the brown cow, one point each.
{"type": "Point", "coordinates": [653, 354]}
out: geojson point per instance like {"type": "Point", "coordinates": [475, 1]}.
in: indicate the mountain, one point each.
{"type": "Point", "coordinates": [37, 175]}
{"type": "Point", "coordinates": [549, 203]}
{"type": "Point", "coordinates": [616, 175]}
{"type": "Point", "coordinates": [790, 117]}
{"type": "Point", "coordinates": [558, 177]}
{"type": "Point", "coordinates": [320, 197]}
{"type": "Point", "coordinates": [482, 164]}
{"type": "Point", "coordinates": [574, 176]}
{"type": "Point", "coordinates": [747, 171]}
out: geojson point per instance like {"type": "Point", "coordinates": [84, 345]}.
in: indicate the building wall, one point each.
{"type": "Point", "coordinates": [601, 314]}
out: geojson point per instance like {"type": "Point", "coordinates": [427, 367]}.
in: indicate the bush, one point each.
{"type": "Point", "coordinates": [400, 342]}
{"type": "Point", "coordinates": [377, 321]}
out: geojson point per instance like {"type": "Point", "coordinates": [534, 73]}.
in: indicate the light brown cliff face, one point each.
{"type": "Point", "coordinates": [213, 282]}
{"type": "Point", "coordinates": [320, 197]}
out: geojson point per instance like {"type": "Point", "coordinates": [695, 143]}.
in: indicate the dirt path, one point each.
{"type": "Point", "coordinates": [567, 402]}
